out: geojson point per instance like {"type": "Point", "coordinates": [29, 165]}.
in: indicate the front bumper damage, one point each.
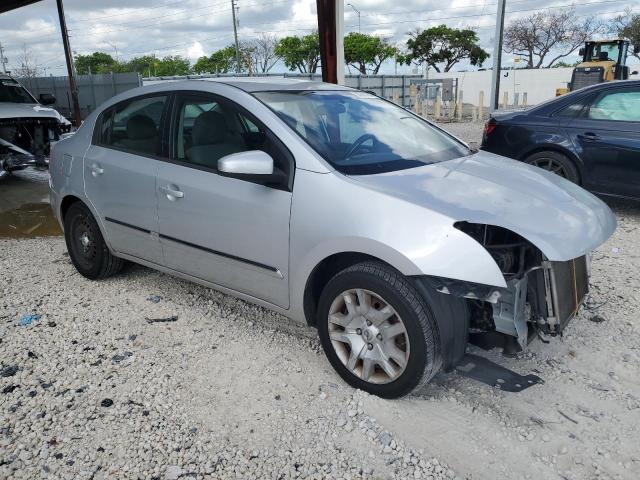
{"type": "Point", "coordinates": [26, 142]}
{"type": "Point", "coordinates": [542, 299]}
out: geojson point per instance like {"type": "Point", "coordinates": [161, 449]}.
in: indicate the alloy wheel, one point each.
{"type": "Point", "coordinates": [368, 336]}
{"type": "Point", "coordinates": [550, 165]}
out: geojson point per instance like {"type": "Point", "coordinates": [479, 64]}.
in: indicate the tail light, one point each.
{"type": "Point", "coordinates": [489, 127]}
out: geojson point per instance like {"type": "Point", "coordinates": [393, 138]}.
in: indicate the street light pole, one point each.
{"type": "Point", "coordinates": [357, 12]}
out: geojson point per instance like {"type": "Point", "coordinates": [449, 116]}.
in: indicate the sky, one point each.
{"type": "Point", "coordinates": [192, 28]}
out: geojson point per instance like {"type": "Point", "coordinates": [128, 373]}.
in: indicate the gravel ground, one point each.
{"type": "Point", "coordinates": [94, 389]}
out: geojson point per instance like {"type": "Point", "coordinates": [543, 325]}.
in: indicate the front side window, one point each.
{"type": "Point", "coordinates": [359, 133]}
{"type": "Point", "coordinates": [621, 105]}
{"type": "Point", "coordinates": [134, 126]}
{"type": "Point", "coordinates": [210, 128]}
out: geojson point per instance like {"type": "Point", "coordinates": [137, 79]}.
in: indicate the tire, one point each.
{"type": "Point", "coordinates": [87, 249]}
{"type": "Point", "coordinates": [384, 287]}
{"type": "Point", "coordinates": [557, 163]}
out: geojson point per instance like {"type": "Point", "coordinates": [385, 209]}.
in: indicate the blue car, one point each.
{"type": "Point", "coordinates": [590, 136]}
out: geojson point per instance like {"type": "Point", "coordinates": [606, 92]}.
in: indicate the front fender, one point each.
{"type": "Point", "coordinates": [414, 240]}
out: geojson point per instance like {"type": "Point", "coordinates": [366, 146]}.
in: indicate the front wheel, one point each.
{"type": "Point", "coordinates": [377, 330]}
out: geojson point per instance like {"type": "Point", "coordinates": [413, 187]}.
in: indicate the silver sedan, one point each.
{"type": "Point", "coordinates": [334, 207]}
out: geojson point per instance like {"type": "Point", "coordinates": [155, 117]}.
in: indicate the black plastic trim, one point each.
{"type": "Point", "coordinates": [193, 245]}
{"type": "Point", "coordinates": [128, 225]}
{"type": "Point", "coordinates": [222, 254]}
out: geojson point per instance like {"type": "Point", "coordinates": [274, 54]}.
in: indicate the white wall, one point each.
{"type": "Point", "coordinates": [539, 84]}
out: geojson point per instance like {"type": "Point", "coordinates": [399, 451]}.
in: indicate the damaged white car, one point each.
{"type": "Point", "coordinates": [331, 206]}
{"type": "Point", "coordinates": [27, 128]}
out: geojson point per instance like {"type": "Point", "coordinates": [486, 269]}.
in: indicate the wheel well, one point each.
{"type": "Point", "coordinates": [561, 151]}
{"type": "Point", "coordinates": [322, 273]}
{"type": "Point", "coordinates": [66, 203]}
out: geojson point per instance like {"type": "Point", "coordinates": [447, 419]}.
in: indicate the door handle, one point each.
{"type": "Point", "coordinates": [96, 170]}
{"type": "Point", "coordinates": [172, 191]}
{"type": "Point", "coordinates": [589, 137]}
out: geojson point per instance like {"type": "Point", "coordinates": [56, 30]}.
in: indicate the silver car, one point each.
{"type": "Point", "coordinates": [334, 207]}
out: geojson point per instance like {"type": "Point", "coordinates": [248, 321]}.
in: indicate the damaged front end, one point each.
{"type": "Point", "coordinates": [26, 142]}
{"type": "Point", "coordinates": [541, 296]}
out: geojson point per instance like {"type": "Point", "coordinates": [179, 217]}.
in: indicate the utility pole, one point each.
{"type": "Point", "coordinates": [235, 34]}
{"type": "Point", "coordinates": [357, 12]}
{"type": "Point", "coordinates": [70, 71]}
{"type": "Point", "coordinates": [497, 58]}
{"type": "Point", "coordinates": [4, 67]}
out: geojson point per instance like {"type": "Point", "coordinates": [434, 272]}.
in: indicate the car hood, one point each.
{"type": "Point", "coordinates": [29, 110]}
{"type": "Point", "coordinates": [560, 218]}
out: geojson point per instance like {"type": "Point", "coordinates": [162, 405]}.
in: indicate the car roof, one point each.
{"type": "Point", "coordinates": [262, 84]}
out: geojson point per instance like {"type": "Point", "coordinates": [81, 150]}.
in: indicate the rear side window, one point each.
{"type": "Point", "coordinates": [620, 105]}
{"type": "Point", "coordinates": [133, 126]}
{"type": "Point", "coordinates": [571, 111]}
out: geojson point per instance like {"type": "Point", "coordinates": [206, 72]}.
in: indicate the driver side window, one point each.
{"type": "Point", "coordinates": [209, 128]}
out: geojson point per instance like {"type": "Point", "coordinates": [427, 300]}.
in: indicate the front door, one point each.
{"type": "Point", "coordinates": [228, 231]}
{"type": "Point", "coordinates": [120, 170]}
{"type": "Point", "coordinates": [608, 135]}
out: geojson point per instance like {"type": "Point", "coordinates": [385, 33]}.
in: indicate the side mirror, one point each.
{"type": "Point", "coordinates": [581, 52]}
{"type": "Point", "coordinates": [636, 49]}
{"type": "Point", "coordinates": [635, 72]}
{"type": "Point", "coordinates": [254, 162]}
{"type": "Point", "coordinates": [47, 99]}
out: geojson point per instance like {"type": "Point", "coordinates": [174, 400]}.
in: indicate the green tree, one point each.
{"type": "Point", "coordinates": [172, 65]}
{"type": "Point", "coordinates": [362, 50]}
{"type": "Point", "coordinates": [628, 26]}
{"type": "Point", "coordinates": [442, 47]}
{"type": "Point", "coordinates": [220, 61]}
{"type": "Point", "coordinates": [562, 64]}
{"type": "Point", "coordinates": [300, 53]}
{"type": "Point", "coordinates": [151, 66]}
{"type": "Point", "coordinates": [97, 62]}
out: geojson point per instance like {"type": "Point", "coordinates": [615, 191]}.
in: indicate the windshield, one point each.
{"type": "Point", "coordinates": [359, 133]}
{"type": "Point", "coordinates": [11, 91]}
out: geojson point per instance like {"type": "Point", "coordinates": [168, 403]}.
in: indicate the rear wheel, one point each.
{"type": "Point", "coordinates": [377, 330]}
{"type": "Point", "coordinates": [87, 249]}
{"type": "Point", "coordinates": [556, 163]}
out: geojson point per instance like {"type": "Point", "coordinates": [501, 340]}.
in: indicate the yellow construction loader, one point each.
{"type": "Point", "coordinates": [602, 61]}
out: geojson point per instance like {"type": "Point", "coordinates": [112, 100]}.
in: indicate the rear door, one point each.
{"type": "Point", "coordinates": [229, 231]}
{"type": "Point", "coordinates": [120, 169]}
{"type": "Point", "coordinates": [607, 136]}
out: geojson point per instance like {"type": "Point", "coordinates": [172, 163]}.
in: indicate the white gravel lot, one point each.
{"type": "Point", "coordinates": [230, 390]}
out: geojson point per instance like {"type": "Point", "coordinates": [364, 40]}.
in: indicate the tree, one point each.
{"type": "Point", "coordinates": [561, 64]}
{"type": "Point", "coordinates": [28, 67]}
{"type": "Point", "coordinates": [301, 53]}
{"type": "Point", "coordinates": [172, 65]}
{"type": "Point", "coordinates": [151, 66]}
{"type": "Point", "coordinates": [220, 61]}
{"type": "Point", "coordinates": [361, 50]}
{"type": "Point", "coordinates": [97, 62]}
{"type": "Point", "coordinates": [628, 26]}
{"type": "Point", "coordinates": [444, 45]}
{"type": "Point", "coordinates": [263, 53]}
{"type": "Point", "coordinates": [538, 36]}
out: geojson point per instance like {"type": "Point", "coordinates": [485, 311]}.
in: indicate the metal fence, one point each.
{"type": "Point", "coordinates": [387, 86]}
{"type": "Point", "coordinates": [95, 89]}
{"type": "Point", "coordinates": [92, 89]}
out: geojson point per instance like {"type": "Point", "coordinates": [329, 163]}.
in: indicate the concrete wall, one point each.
{"type": "Point", "coordinates": [539, 84]}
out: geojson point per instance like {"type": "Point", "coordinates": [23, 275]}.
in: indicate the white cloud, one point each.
{"type": "Point", "coordinates": [195, 51]}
